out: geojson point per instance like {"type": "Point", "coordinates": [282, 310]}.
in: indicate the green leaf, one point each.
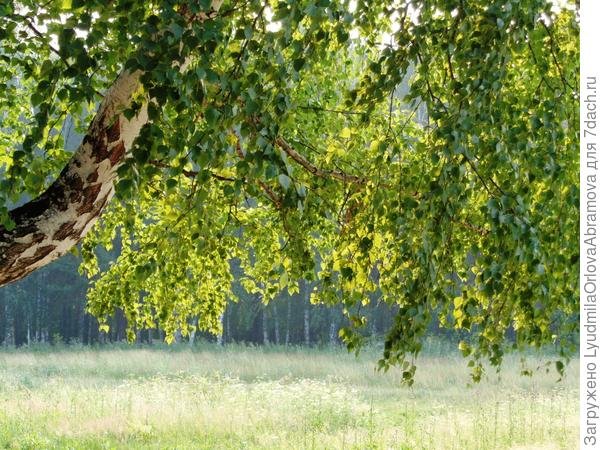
{"type": "Point", "coordinates": [347, 273]}
{"type": "Point", "coordinates": [299, 64]}
{"type": "Point", "coordinates": [284, 181]}
{"type": "Point", "coordinates": [211, 115]}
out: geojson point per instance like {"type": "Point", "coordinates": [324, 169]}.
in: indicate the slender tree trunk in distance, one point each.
{"type": "Point", "coordinates": [38, 312]}
{"type": "Point", "coordinates": [220, 335]}
{"type": "Point", "coordinates": [276, 319]}
{"type": "Point", "coordinates": [306, 325]}
{"type": "Point", "coordinates": [332, 330]}
{"type": "Point", "coordinates": [192, 335]}
{"type": "Point", "coordinates": [92, 330]}
{"type": "Point", "coordinates": [265, 328]}
{"type": "Point", "coordinates": [10, 330]}
{"type": "Point", "coordinates": [287, 322]}
{"type": "Point", "coordinates": [305, 289]}
{"type": "Point", "coordinates": [227, 337]}
{"type": "Point", "coordinates": [3, 321]}
{"type": "Point", "coordinates": [373, 324]}
{"type": "Point", "coordinates": [80, 319]}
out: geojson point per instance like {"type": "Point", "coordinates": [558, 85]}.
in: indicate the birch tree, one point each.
{"type": "Point", "coordinates": [269, 133]}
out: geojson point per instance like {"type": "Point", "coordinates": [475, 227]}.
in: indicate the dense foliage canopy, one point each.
{"type": "Point", "coordinates": [419, 153]}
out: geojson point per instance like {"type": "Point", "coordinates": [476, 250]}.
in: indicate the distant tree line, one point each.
{"type": "Point", "coordinates": [50, 307]}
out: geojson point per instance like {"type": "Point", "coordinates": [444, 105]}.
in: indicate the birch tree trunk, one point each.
{"type": "Point", "coordinates": [48, 226]}
{"type": "Point", "coordinates": [192, 338]}
{"type": "Point", "coordinates": [332, 329]}
{"type": "Point", "coordinates": [227, 327]}
{"type": "Point", "coordinates": [306, 287]}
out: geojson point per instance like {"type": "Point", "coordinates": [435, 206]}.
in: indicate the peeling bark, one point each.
{"type": "Point", "coordinates": [48, 226]}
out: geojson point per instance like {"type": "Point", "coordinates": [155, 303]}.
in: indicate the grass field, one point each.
{"type": "Point", "coordinates": [269, 398]}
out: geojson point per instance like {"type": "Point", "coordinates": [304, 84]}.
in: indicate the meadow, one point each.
{"type": "Point", "coordinates": [239, 397]}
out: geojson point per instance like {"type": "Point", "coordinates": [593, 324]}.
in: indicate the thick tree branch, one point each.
{"type": "Point", "coordinates": [48, 226]}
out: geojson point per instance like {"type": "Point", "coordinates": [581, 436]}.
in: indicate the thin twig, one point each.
{"type": "Point", "coordinates": [538, 66]}
{"type": "Point", "coordinates": [189, 173]}
{"type": "Point", "coordinates": [337, 111]}
{"type": "Point", "coordinates": [316, 171]}
{"type": "Point", "coordinates": [478, 175]}
{"type": "Point", "coordinates": [429, 90]}
{"type": "Point", "coordinates": [553, 52]}
{"type": "Point", "coordinates": [52, 48]}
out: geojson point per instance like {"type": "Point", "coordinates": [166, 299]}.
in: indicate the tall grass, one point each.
{"type": "Point", "coordinates": [272, 397]}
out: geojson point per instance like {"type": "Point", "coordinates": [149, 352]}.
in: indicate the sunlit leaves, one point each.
{"type": "Point", "coordinates": [436, 148]}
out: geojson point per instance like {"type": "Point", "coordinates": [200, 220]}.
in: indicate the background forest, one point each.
{"type": "Point", "coordinates": [50, 307]}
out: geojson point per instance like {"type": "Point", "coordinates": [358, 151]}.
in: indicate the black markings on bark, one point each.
{"type": "Point", "coordinates": [117, 153]}
{"type": "Point", "coordinates": [40, 253]}
{"type": "Point", "coordinates": [90, 194]}
{"type": "Point", "coordinates": [65, 231]}
{"type": "Point", "coordinates": [92, 177]}
{"type": "Point", "coordinates": [113, 133]}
